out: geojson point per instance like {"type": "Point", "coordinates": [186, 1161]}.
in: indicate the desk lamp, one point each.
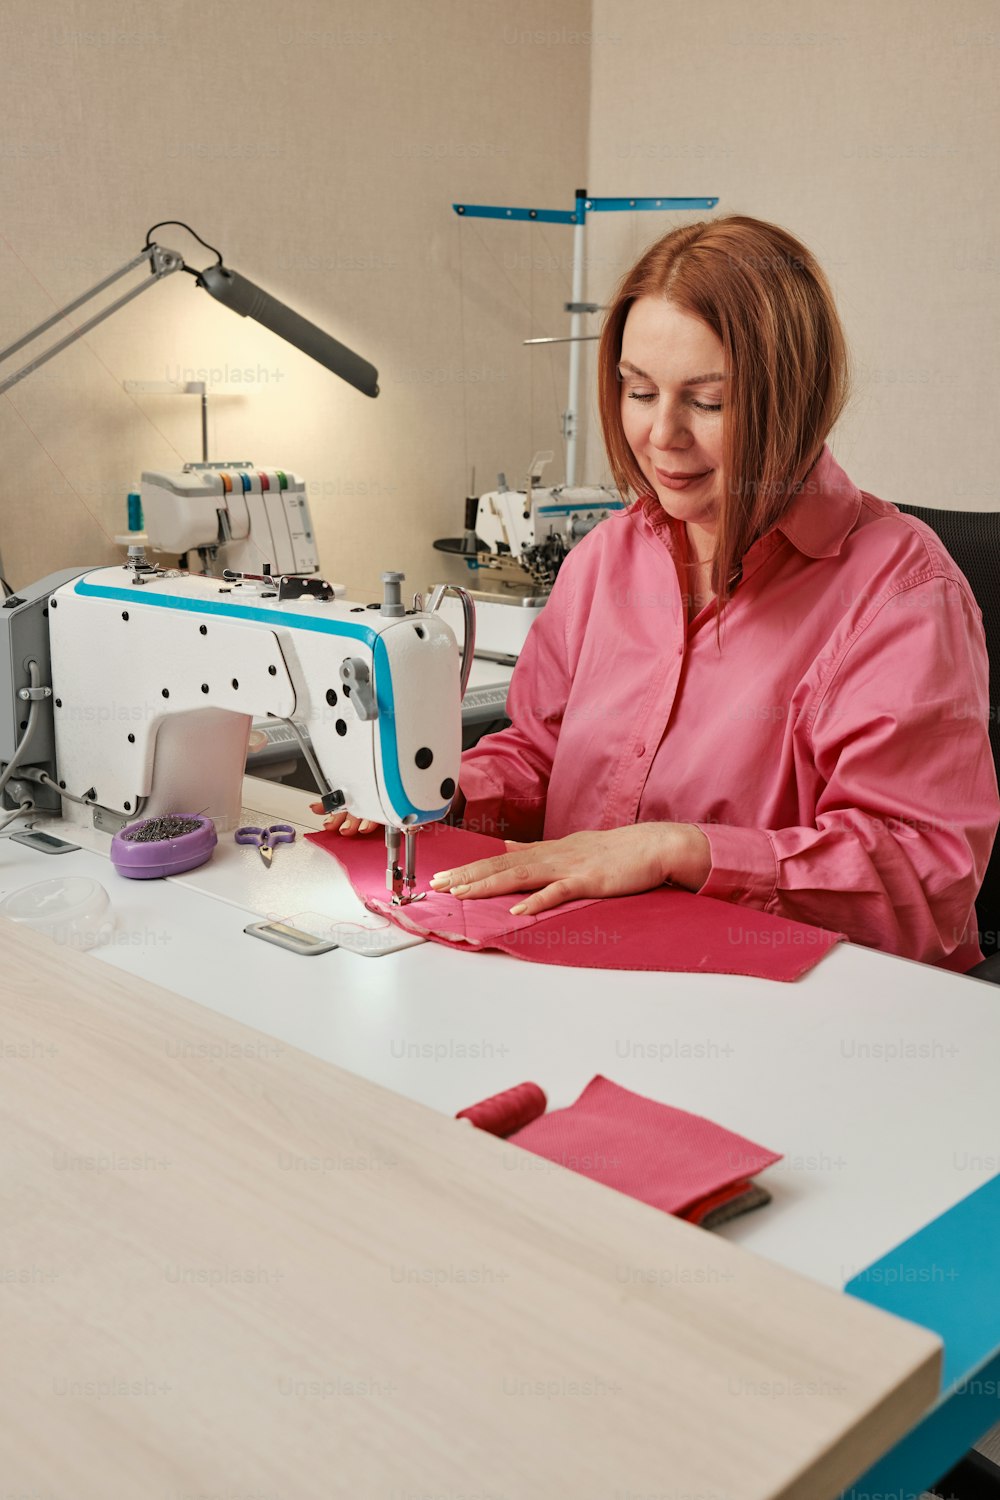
{"type": "Point", "coordinates": [226, 286]}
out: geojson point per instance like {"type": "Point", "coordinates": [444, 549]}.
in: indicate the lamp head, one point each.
{"type": "Point", "coordinates": [251, 301]}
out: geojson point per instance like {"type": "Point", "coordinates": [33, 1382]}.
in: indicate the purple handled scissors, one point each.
{"type": "Point", "coordinates": [266, 838]}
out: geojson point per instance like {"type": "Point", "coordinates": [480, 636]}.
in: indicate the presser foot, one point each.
{"type": "Point", "coordinates": [401, 878]}
{"type": "Point", "coordinates": [404, 898]}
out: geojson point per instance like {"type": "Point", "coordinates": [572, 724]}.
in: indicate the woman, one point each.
{"type": "Point", "coordinates": [758, 682]}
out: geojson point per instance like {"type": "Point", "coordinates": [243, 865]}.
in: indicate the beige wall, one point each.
{"type": "Point", "coordinates": [320, 146]}
{"type": "Point", "coordinates": [868, 129]}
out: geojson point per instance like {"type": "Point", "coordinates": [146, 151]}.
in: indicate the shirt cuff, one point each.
{"type": "Point", "coordinates": [744, 865]}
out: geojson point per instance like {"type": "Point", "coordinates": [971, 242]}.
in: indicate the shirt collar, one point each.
{"type": "Point", "coordinates": [824, 512]}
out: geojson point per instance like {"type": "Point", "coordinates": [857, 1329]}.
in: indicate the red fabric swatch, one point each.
{"type": "Point", "coordinates": [673, 1160]}
{"type": "Point", "coordinates": [664, 930]}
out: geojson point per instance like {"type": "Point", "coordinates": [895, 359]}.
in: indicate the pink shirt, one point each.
{"type": "Point", "coordinates": [834, 750]}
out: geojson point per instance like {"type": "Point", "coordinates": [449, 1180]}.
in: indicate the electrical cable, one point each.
{"type": "Point", "coordinates": [179, 224]}
{"type": "Point", "coordinates": [26, 806]}
{"type": "Point", "coordinates": [46, 780]}
{"type": "Point", "coordinates": [29, 730]}
{"type": "Point", "coordinates": [42, 777]}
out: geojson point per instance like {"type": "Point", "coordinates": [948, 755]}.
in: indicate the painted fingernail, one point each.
{"type": "Point", "coordinates": [460, 890]}
{"type": "Point", "coordinates": [516, 911]}
{"type": "Point", "coordinates": [441, 882]}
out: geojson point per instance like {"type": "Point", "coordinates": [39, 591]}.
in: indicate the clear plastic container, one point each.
{"type": "Point", "coordinates": [71, 909]}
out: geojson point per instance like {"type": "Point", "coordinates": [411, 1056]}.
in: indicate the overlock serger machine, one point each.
{"type": "Point", "coordinates": [131, 692]}
{"type": "Point", "coordinates": [232, 515]}
{"type": "Point", "coordinates": [514, 544]}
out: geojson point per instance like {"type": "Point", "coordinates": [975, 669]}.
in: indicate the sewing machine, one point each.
{"type": "Point", "coordinates": [515, 542]}
{"type": "Point", "coordinates": [142, 685]}
{"type": "Point", "coordinates": [232, 515]}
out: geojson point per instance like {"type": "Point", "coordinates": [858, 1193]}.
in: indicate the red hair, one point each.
{"type": "Point", "coordinates": [769, 303]}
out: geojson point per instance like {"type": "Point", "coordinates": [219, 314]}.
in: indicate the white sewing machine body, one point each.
{"type": "Point", "coordinates": [235, 516]}
{"type": "Point", "coordinates": [155, 685]}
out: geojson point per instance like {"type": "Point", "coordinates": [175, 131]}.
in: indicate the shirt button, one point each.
{"type": "Point", "coordinates": [640, 751]}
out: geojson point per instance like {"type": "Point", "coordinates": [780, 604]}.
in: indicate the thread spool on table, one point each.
{"type": "Point", "coordinates": [503, 1114]}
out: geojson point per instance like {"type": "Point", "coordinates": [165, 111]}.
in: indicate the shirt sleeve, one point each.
{"type": "Point", "coordinates": [906, 805]}
{"type": "Point", "coordinates": [505, 777]}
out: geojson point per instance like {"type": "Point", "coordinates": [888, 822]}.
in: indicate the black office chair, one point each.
{"type": "Point", "coordinates": [974, 1477]}
{"type": "Point", "coordinates": [973, 539]}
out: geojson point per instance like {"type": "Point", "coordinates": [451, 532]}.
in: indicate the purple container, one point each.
{"type": "Point", "coordinates": [149, 858]}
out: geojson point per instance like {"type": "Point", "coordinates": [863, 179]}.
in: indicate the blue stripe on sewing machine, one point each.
{"type": "Point", "coordinates": [261, 615]}
{"type": "Point", "coordinates": [567, 510]}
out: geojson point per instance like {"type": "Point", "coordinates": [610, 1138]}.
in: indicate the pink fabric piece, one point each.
{"type": "Point", "coordinates": [834, 751]}
{"type": "Point", "coordinates": [663, 1156]}
{"type": "Point", "coordinates": [662, 930]}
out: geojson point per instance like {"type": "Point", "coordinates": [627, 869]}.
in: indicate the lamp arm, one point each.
{"type": "Point", "coordinates": [162, 263]}
{"type": "Point", "coordinates": [226, 286]}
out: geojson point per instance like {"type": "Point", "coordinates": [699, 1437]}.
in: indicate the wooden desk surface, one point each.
{"type": "Point", "coordinates": [230, 1268]}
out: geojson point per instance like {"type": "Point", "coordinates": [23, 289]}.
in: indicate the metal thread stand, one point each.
{"type": "Point", "coordinates": [577, 216]}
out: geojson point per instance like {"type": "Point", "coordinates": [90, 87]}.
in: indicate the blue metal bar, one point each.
{"type": "Point", "coordinates": [543, 215]}
{"type": "Point", "coordinates": [625, 205]}
{"type": "Point", "coordinates": [584, 206]}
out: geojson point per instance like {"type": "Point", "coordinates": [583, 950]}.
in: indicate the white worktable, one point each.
{"type": "Point", "coordinates": [875, 1077]}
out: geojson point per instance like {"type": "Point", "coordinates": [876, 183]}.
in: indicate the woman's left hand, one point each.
{"type": "Point", "coordinates": [612, 862]}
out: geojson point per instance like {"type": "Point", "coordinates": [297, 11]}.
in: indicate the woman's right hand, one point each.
{"type": "Point", "coordinates": [344, 822]}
